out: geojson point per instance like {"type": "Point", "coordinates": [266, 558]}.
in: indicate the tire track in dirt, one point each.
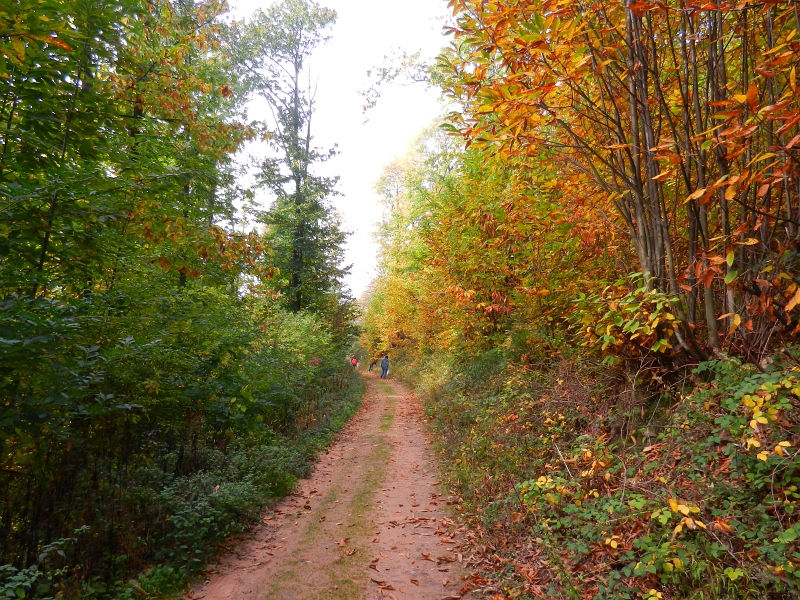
{"type": "Point", "coordinates": [370, 522]}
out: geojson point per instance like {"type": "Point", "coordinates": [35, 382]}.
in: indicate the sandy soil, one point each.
{"type": "Point", "coordinates": [370, 523]}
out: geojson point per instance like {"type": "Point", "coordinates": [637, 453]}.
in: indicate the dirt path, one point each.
{"type": "Point", "coordinates": [370, 523]}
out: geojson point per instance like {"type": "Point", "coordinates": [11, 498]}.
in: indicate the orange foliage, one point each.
{"type": "Point", "coordinates": [677, 123]}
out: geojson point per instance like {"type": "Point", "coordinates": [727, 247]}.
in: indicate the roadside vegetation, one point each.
{"type": "Point", "coordinates": [172, 353]}
{"type": "Point", "coordinates": [590, 271]}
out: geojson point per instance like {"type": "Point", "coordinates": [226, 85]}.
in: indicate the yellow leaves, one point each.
{"type": "Point", "coordinates": [698, 193]}
{"type": "Point", "coordinates": [583, 61]}
{"type": "Point", "coordinates": [763, 456]}
{"type": "Point", "coordinates": [19, 47]}
{"type": "Point", "coordinates": [737, 320]}
{"type": "Point", "coordinates": [612, 542]}
{"type": "Point", "coordinates": [672, 564]}
{"type": "Point", "coordinates": [794, 301]}
{"type": "Point", "coordinates": [780, 449]}
{"type": "Point", "coordinates": [748, 242]}
{"type": "Point", "coordinates": [761, 157]}
{"type": "Point", "coordinates": [153, 386]}
{"type": "Point", "coordinates": [664, 175]}
{"type": "Point", "coordinates": [688, 523]}
{"type": "Point", "coordinates": [752, 442]}
{"type": "Point", "coordinates": [684, 509]}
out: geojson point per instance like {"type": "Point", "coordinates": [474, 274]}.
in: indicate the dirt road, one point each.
{"type": "Point", "coordinates": [370, 523]}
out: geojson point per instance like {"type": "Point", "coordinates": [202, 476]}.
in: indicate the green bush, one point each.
{"type": "Point", "coordinates": [163, 420]}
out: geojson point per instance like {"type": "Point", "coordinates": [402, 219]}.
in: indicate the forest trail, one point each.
{"type": "Point", "coordinates": [371, 521]}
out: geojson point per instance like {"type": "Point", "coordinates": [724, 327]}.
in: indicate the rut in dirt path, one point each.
{"type": "Point", "coordinates": [370, 522]}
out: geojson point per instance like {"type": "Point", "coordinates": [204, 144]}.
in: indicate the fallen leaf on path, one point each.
{"type": "Point", "coordinates": [445, 581]}
{"type": "Point", "coordinates": [350, 552]}
{"type": "Point", "coordinates": [415, 581]}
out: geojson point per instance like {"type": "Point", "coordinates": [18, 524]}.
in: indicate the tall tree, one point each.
{"type": "Point", "coordinates": [304, 231]}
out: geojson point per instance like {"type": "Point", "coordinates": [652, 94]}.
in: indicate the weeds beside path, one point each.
{"type": "Point", "coordinates": [370, 522]}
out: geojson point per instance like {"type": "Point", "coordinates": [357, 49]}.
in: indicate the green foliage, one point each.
{"type": "Point", "coordinates": [155, 396]}
{"type": "Point", "coordinates": [171, 418]}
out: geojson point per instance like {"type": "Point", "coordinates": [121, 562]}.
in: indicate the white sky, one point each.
{"type": "Point", "coordinates": [365, 32]}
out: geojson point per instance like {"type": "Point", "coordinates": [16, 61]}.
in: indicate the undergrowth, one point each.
{"type": "Point", "coordinates": [576, 486]}
{"type": "Point", "coordinates": [196, 513]}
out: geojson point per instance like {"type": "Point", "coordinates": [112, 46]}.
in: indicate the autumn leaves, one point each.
{"type": "Point", "coordinates": [681, 120]}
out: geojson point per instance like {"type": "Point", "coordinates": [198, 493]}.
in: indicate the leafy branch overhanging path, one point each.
{"type": "Point", "coordinates": [371, 521]}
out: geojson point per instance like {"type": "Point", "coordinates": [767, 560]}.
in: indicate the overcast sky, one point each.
{"type": "Point", "coordinates": [365, 32]}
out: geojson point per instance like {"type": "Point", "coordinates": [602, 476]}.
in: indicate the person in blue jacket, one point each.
{"type": "Point", "coordinates": [385, 367]}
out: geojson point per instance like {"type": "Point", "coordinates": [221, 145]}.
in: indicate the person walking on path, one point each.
{"type": "Point", "coordinates": [354, 362]}
{"type": "Point", "coordinates": [385, 367]}
{"type": "Point", "coordinates": [372, 364]}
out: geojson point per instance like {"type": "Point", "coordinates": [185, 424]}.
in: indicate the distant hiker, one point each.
{"type": "Point", "coordinates": [372, 364]}
{"type": "Point", "coordinates": [385, 367]}
{"type": "Point", "coordinates": [354, 362]}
